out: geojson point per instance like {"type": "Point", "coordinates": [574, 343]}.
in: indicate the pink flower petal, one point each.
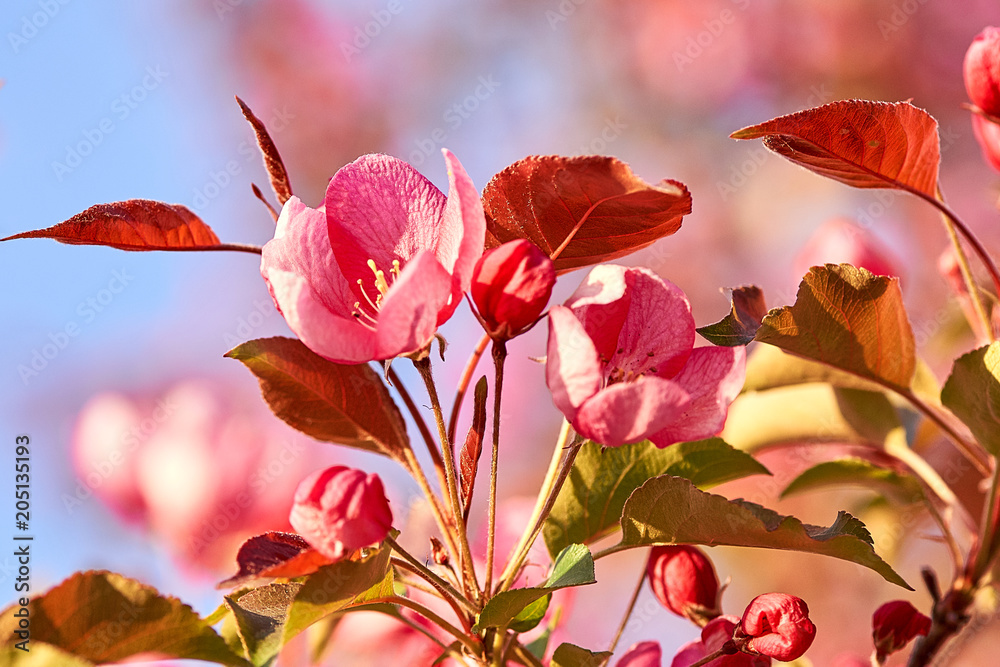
{"type": "Point", "coordinates": [630, 412]}
{"type": "Point", "coordinates": [573, 369]}
{"type": "Point", "coordinates": [601, 303]}
{"type": "Point", "coordinates": [309, 289]}
{"type": "Point", "coordinates": [643, 654]}
{"type": "Point", "coordinates": [380, 208]}
{"type": "Point", "coordinates": [462, 232]}
{"type": "Point", "coordinates": [713, 377]}
{"type": "Point", "coordinates": [409, 314]}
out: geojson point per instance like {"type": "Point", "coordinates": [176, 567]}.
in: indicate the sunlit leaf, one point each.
{"type": "Point", "coordinates": [342, 403]}
{"type": "Point", "coordinates": [260, 617]}
{"type": "Point", "coordinates": [135, 224]}
{"type": "Point", "coordinates": [741, 324]}
{"type": "Point", "coordinates": [861, 143]}
{"type": "Point", "coordinates": [894, 483]}
{"type": "Point", "coordinates": [812, 412]}
{"type": "Point", "coordinates": [274, 554]}
{"type": "Point", "coordinates": [588, 209]}
{"type": "Point", "coordinates": [591, 501]}
{"type": "Point", "coordinates": [574, 566]}
{"type": "Point", "coordinates": [104, 617]}
{"type": "Point", "coordinates": [972, 392]}
{"type": "Point", "coordinates": [569, 655]}
{"type": "Point", "coordinates": [39, 655]}
{"type": "Point", "coordinates": [670, 510]}
{"type": "Point", "coordinates": [850, 319]}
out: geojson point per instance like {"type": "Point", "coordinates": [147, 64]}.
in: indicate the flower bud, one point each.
{"type": "Point", "coordinates": [511, 285]}
{"type": "Point", "coordinates": [339, 510]}
{"type": "Point", "coordinates": [684, 581]}
{"type": "Point", "coordinates": [776, 625]}
{"type": "Point", "coordinates": [718, 634]}
{"type": "Point", "coordinates": [643, 654]}
{"type": "Point", "coordinates": [987, 133]}
{"type": "Point", "coordinates": [982, 71]}
{"type": "Point", "coordinates": [894, 624]}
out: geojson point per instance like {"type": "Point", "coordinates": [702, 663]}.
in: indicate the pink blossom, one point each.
{"type": "Point", "coordinates": [511, 286]}
{"type": "Point", "coordinates": [339, 510]}
{"type": "Point", "coordinates": [841, 240]}
{"type": "Point", "coordinates": [373, 272]}
{"type": "Point", "coordinates": [982, 71]}
{"type": "Point", "coordinates": [987, 133]}
{"type": "Point", "coordinates": [894, 624]}
{"type": "Point", "coordinates": [684, 581]}
{"type": "Point", "coordinates": [622, 366]}
{"type": "Point", "coordinates": [778, 626]}
{"type": "Point", "coordinates": [643, 654]}
{"type": "Point", "coordinates": [714, 636]}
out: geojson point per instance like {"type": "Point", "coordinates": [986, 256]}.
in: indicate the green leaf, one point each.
{"type": "Point", "coordinates": [343, 403]}
{"type": "Point", "coordinates": [810, 413]}
{"type": "Point", "coordinates": [568, 655]}
{"type": "Point", "coordinates": [574, 566]}
{"type": "Point", "coordinates": [972, 392]}
{"type": "Point", "coordinates": [741, 324]}
{"type": "Point", "coordinates": [670, 510]}
{"type": "Point", "coordinates": [590, 504]}
{"type": "Point", "coordinates": [270, 616]}
{"type": "Point", "coordinates": [531, 615]}
{"type": "Point", "coordinates": [105, 617]}
{"type": "Point", "coordinates": [857, 472]}
{"type": "Point", "coordinates": [850, 319]}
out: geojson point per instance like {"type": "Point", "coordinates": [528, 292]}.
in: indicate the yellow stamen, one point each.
{"type": "Point", "coordinates": [380, 282]}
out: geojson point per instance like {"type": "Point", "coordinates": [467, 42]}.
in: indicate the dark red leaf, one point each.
{"type": "Point", "coordinates": [580, 210]}
{"type": "Point", "coordinates": [473, 449]}
{"type": "Point", "coordinates": [272, 159]}
{"type": "Point", "coordinates": [342, 403]}
{"type": "Point", "coordinates": [740, 326]}
{"type": "Point", "coordinates": [135, 224]}
{"type": "Point", "coordinates": [861, 143]}
{"type": "Point", "coordinates": [272, 555]}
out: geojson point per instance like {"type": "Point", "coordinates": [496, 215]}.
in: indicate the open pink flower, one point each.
{"type": "Point", "coordinates": [373, 272]}
{"type": "Point", "coordinates": [621, 364]}
{"type": "Point", "coordinates": [778, 626]}
{"type": "Point", "coordinates": [339, 510]}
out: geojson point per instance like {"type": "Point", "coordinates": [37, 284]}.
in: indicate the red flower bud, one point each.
{"type": "Point", "coordinates": [684, 581]}
{"type": "Point", "coordinates": [894, 624]}
{"type": "Point", "coordinates": [511, 285]}
{"type": "Point", "coordinates": [777, 625]}
{"type": "Point", "coordinates": [982, 71]}
{"type": "Point", "coordinates": [339, 510]}
{"type": "Point", "coordinates": [988, 135]}
{"type": "Point", "coordinates": [715, 636]}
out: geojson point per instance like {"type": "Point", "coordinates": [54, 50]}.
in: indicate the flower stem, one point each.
{"type": "Point", "coordinates": [451, 482]}
{"type": "Point", "coordinates": [709, 658]}
{"type": "Point", "coordinates": [499, 356]}
{"type": "Point", "coordinates": [432, 617]}
{"type": "Point", "coordinates": [420, 569]}
{"type": "Point", "coordinates": [988, 531]}
{"type": "Point", "coordinates": [559, 468]}
{"type": "Point", "coordinates": [418, 418]}
{"type": "Point", "coordinates": [628, 611]}
{"type": "Point", "coordinates": [971, 449]}
{"type": "Point", "coordinates": [463, 384]}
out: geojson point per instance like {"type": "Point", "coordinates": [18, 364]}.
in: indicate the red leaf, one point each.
{"type": "Point", "coordinates": [272, 555]}
{"type": "Point", "coordinates": [473, 449]}
{"type": "Point", "coordinates": [741, 324]}
{"type": "Point", "coordinates": [272, 159]}
{"type": "Point", "coordinates": [580, 210]}
{"type": "Point", "coordinates": [135, 224]}
{"type": "Point", "coordinates": [342, 403]}
{"type": "Point", "coordinates": [861, 143]}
